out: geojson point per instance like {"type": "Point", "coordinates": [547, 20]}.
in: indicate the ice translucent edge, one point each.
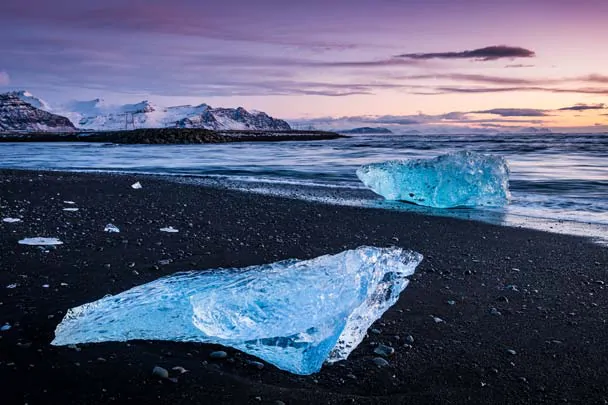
{"type": "Point", "coordinates": [459, 179]}
{"type": "Point", "coordinates": [156, 310]}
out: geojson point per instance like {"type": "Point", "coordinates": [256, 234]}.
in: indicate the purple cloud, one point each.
{"type": "Point", "coordinates": [584, 107]}
{"type": "Point", "coordinates": [455, 90]}
{"type": "Point", "coordinates": [482, 54]}
{"type": "Point", "coordinates": [515, 112]}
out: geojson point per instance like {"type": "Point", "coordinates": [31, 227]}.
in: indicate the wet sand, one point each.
{"type": "Point", "coordinates": [523, 312]}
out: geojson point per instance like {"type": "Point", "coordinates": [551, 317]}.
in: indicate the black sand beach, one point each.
{"type": "Point", "coordinates": [523, 312]}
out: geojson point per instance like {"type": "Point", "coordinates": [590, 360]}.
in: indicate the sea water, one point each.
{"type": "Point", "coordinates": [559, 182]}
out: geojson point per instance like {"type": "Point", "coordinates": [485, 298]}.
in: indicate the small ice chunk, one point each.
{"type": "Point", "coordinates": [11, 220]}
{"type": "Point", "coordinates": [136, 186]}
{"type": "Point", "coordinates": [461, 179]}
{"type": "Point", "coordinates": [71, 209]}
{"type": "Point", "coordinates": [293, 314]}
{"type": "Point", "coordinates": [169, 229]}
{"type": "Point", "coordinates": [5, 327]}
{"type": "Point", "coordinates": [69, 202]}
{"type": "Point", "coordinates": [39, 241]}
{"type": "Point", "coordinates": [111, 228]}
{"type": "Point", "coordinates": [11, 286]}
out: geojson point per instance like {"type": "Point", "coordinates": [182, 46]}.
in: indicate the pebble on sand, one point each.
{"type": "Point", "coordinates": [220, 354]}
{"type": "Point", "coordinates": [380, 362]}
{"type": "Point", "coordinates": [160, 372]}
{"type": "Point", "coordinates": [384, 351]}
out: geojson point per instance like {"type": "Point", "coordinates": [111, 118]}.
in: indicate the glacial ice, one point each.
{"type": "Point", "coordinates": [293, 314]}
{"type": "Point", "coordinates": [461, 179]}
{"type": "Point", "coordinates": [169, 229]}
{"type": "Point", "coordinates": [11, 220]}
{"type": "Point", "coordinates": [38, 241]}
{"type": "Point", "coordinates": [136, 186]}
{"type": "Point", "coordinates": [111, 228]}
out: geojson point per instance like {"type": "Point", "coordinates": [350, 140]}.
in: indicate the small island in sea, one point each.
{"type": "Point", "coordinates": [367, 130]}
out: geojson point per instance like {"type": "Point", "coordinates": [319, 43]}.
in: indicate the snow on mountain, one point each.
{"type": "Point", "coordinates": [97, 115]}
{"type": "Point", "coordinates": [19, 115]}
{"type": "Point", "coordinates": [29, 98]}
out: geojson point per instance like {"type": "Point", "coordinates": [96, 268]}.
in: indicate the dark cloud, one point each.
{"type": "Point", "coordinates": [584, 107]}
{"type": "Point", "coordinates": [515, 112]}
{"type": "Point", "coordinates": [595, 78]}
{"type": "Point", "coordinates": [456, 90]}
{"type": "Point", "coordinates": [482, 54]}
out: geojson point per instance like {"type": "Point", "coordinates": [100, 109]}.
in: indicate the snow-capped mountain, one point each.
{"type": "Point", "coordinates": [98, 115]}
{"type": "Point", "coordinates": [19, 115]}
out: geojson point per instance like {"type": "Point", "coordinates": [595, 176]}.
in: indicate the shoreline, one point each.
{"type": "Point", "coordinates": [548, 288]}
{"type": "Point", "coordinates": [170, 136]}
{"type": "Point", "coordinates": [594, 232]}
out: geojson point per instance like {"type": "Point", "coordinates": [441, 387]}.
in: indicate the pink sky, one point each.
{"type": "Point", "coordinates": [420, 60]}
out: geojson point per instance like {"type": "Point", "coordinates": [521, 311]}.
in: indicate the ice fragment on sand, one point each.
{"type": "Point", "coordinates": [71, 209]}
{"type": "Point", "coordinates": [169, 229]}
{"type": "Point", "coordinates": [461, 179]}
{"type": "Point", "coordinates": [11, 220]}
{"type": "Point", "coordinates": [111, 228]}
{"type": "Point", "coordinates": [69, 202]}
{"type": "Point", "coordinates": [5, 327]}
{"type": "Point", "coordinates": [294, 314]}
{"type": "Point", "coordinates": [11, 286]}
{"type": "Point", "coordinates": [40, 241]}
{"type": "Point", "coordinates": [136, 186]}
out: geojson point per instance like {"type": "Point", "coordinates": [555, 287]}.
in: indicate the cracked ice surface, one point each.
{"type": "Point", "coordinates": [293, 314]}
{"type": "Point", "coordinates": [461, 179]}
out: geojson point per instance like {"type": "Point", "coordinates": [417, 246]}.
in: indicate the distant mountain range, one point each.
{"type": "Point", "coordinates": [22, 111]}
{"type": "Point", "coordinates": [367, 130]}
{"type": "Point", "coordinates": [17, 114]}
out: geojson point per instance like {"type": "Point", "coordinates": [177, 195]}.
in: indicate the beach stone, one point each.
{"type": "Point", "coordinates": [511, 352]}
{"type": "Point", "coordinates": [409, 339]}
{"type": "Point", "coordinates": [380, 362]}
{"type": "Point", "coordinates": [451, 302]}
{"type": "Point", "coordinates": [256, 364]}
{"type": "Point", "coordinates": [220, 354]}
{"type": "Point", "coordinates": [375, 331]}
{"type": "Point", "coordinates": [502, 299]}
{"type": "Point", "coordinates": [160, 372]}
{"type": "Point", "coordinates": [495, 312]}
{"type": "Point", "coordinates": [384, 351]}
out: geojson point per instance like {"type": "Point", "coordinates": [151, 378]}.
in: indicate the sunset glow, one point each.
{"type": "Point", "coordinates": [455, 63]}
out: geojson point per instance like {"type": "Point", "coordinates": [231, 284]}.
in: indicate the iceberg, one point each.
{"type": "Point", "coordinates": [461, 179]}
{"type": "Point", "coordinates": [293, 314]}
